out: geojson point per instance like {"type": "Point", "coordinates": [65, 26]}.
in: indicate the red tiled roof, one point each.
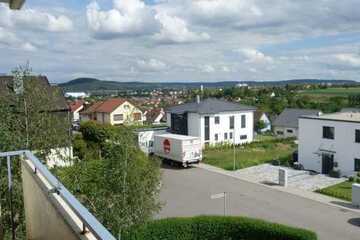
{"type": "Point", "coordinates": [107, 106]}
{"type": "Point", "coordinates": [110, 105]}
{"type": "Point", "coordinates": [76, 105]}
{"type": "Point", "coordinates": [92, 108]}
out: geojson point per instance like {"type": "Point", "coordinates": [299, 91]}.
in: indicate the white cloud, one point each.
{"type": "Point", "coordinates": [9, 39]}
{"type": "Point", "coordinates": [207, 68]}
{"type": "Point", "coordinates": [34, 20]}
{"type": "Point", "coordinates": [252, 55]}
{"type": "Point", "coordinates": [175, 30]}
{"type": "Point", "coordinates": [151, 65]}
{"type": "Point", "coordinates": [128, 17]}
{"type": "Point", "coordinates": [348, 58]}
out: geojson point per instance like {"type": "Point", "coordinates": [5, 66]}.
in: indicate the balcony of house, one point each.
{"type": "Point", "coordinates": [51, 211]}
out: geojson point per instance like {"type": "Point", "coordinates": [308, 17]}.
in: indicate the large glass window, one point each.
{"type": "Point", "coordinates": [357, 164]}
{"type": "Point", "coordinates": [232, 122]}
{"type": "Point", "coordinates": [118, 117]}
{"type": "Point", "coordinates": [329, 132]}
{"type": "Point", "coordinates": [217, 120]}
{"type": "Point", "coordinates": [243, 121]}
{"type": "Point", "coordinates": [357, 135]}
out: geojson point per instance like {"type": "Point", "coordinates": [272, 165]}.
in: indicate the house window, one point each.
{"type": "Point", "coordinates": [243, 137]}
{"type": "Point", "coordinates": [357, 135]}
{"type": "Point", "coordinates": [232, 121]}
{"type": "Point", "coordinates": [289, 131]}
{"type": "Point", "coordinates": [118, 117]}
{"type": "Point", "coordinates": [231, 135]}
{"type": "Point", "coordinates": [225, 136]}
{"type": "Point", "coordinates": [217, 120]}
{"type": "Point", "coordinates": [328, 132]}
{"type": "Point", "coordinates": [243, 121]}
{"type": "Point", "coordinates": [279, 132]}
{"type": "Point", "coordinates": [357, 164]}
{"type": "Point", "coordinates": [137, 116]}
{"type": "Point", "coordinates": [216, 137]}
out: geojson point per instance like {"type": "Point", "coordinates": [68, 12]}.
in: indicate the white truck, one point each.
{"type": "Point", "coordinates": [178, 149]}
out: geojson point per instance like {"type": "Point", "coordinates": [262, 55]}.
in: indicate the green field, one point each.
{"type": "Point", "coordinates": [250, 155]}
{"type": "Point", "coordinates": [333, 91]}
{"type": "Point", "coordinates": [341, 190]}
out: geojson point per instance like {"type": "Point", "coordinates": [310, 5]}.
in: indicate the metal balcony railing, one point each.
{"type": "Point", "coordinates": [61, 199]}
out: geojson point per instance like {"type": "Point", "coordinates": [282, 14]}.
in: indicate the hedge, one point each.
{"type": "Point", "coordinates": [216, 228]}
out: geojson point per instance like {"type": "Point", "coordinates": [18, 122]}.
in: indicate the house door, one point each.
{"type": "Point", "coordinates": [327, 163]}
{"type": "Point", "coordinates": [207, 128]}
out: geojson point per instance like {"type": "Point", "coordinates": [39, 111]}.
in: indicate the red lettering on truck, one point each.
{"type": "Point", "coordinates": [167, 146]}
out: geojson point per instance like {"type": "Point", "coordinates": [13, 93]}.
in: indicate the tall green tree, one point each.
{"type": "Point", "coordinates": [28, 121]}
{"type": "Point", "coordinates": [121, 187]}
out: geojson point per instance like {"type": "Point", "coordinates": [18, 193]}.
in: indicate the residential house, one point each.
{"type": "Point", "coordinates": [75, 108]}
{"type": "Point", "coordinates": [330, 142]}
{"type": "Point", "coordinates": [214, 121]}
{"type": "Point", "coordinates": [114, 111]}
{"type": "Point", "coordinates": [260, 116]}
{"type": "Point", "coordinates": [155, 116]}
{"type": "Point", "coordinates": [287, 123]}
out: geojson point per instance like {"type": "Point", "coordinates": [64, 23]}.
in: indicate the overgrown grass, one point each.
{"type": "Point", "coordinates": [334, 91]}
{"type": "Point", "coordinates": [341, 190]}
{"type": "Point", "coordinates": [251, 154]}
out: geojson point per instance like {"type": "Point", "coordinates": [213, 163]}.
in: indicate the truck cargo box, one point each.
{"type": "Point", "coordinates": [179, 148]}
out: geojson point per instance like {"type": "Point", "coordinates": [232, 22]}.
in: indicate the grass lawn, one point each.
{"type": "Point", "coordinates": [333, 91]}
{"type": "Point", "coordinates": [250, 155]}
{"type": "Point", "coordinates": [341, 190]}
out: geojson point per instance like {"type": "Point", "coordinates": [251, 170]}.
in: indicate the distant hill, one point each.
{"type": "Point", "coordinates": [92, 84]}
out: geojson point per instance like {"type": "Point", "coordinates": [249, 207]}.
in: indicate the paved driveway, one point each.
{"type": "Point", "coordinates": [269, 174]}
{"type": "Point", "coordinates": [186, 192]}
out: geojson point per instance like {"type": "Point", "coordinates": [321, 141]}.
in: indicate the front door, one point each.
{"type": "Point", "coordinates": [327, 163]}
{"type": "Point", "coordinates": [207, 128]}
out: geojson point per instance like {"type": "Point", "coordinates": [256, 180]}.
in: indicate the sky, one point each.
{"type": "Point", "coordinates": [183, 40]}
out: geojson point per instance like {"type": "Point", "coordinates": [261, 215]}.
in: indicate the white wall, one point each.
{"type": "Point", "coordinates": [196, 127]}
{"type": "Point", "coordinates": [128, 114]}
{"type": "Point", "coordinates": [310, 141]}
{"type": "Point", "coordinates": [267, 122]}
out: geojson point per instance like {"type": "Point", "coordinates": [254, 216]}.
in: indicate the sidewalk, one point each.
{"type": "Point", "coordinates": [347, 206]}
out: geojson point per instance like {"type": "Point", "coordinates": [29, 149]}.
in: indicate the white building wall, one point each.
{"type": "Point", "coordinates": [168, 119]}
{"type": "Point", "coordinates": [310, 141]}
{"type": "Point", "coordinates": [223, 127]}
{"type": "Point", "coordinates": [127, 114]}
{"type": "Point", "coordinates": [267, 122]}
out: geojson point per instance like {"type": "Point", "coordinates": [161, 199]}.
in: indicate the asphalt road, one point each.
{"type": "Point", "coordinates": [186, 192]}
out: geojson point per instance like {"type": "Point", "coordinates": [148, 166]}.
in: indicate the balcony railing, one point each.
{"type": "Point", "coordinates": [51, 211]}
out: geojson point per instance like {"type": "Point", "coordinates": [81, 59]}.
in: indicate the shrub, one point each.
{"type": "Point", "coordinates": [351, 179]}
{"type": "Point", "coordinates": [358, 180]}
{"type": "Point", "coordinates": [335, 173]}
{"type": "Point", "coordinates": [358, 174]}
{"type": "Point", "coordinates": [216, 228]}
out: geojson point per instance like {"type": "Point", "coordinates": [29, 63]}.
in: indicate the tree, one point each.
{"type": "Point", "coordinates": [260, 125]}
{"type": "Point", "coordinates": [120, 188]}
{"type": "Point", "coordinates": [28, 122]}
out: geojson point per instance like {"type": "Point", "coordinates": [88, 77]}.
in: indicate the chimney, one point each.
{"type": "Point", "coordinates": [198, 99]}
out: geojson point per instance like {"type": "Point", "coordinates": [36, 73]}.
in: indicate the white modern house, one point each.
{"type": "Point", "coordinates": [260, 116]}
{"type": "Point", "coordinates": [76, 94]}
{"type": "Point", "coordinates": [214, 121]}
{"type": "Point", "coordinates": [75, 108]}
{"type": "Point", "coordinates": [287, 123]}
{"type": "Point", "coordinates": [330, 141]}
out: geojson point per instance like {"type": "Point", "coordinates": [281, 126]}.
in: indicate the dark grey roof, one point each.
{"type": "Point", "coordinates": [290, 117]}
{"type": "Point", "coordinates": [209, 106]}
